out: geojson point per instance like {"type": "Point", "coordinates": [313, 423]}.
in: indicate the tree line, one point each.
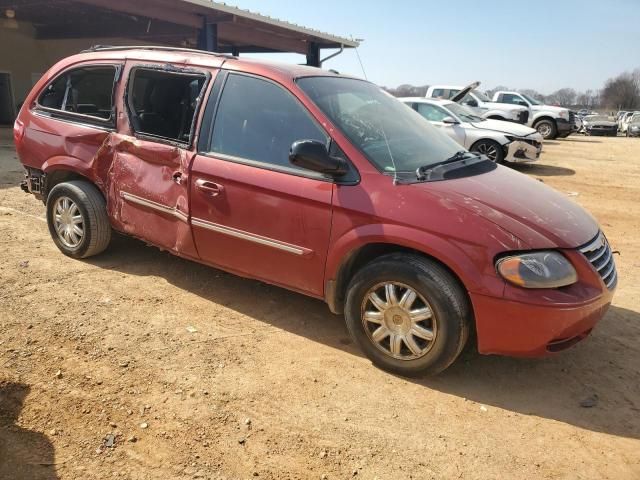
{"type": "Point", "coordinates": [618, 93]}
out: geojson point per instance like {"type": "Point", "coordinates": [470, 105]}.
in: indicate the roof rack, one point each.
{"type": "Point", "coordinates": [113, 48]}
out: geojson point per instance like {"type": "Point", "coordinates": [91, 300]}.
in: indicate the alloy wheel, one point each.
{"type": "Point", "coordinates": [489, 150]}
{"type": "Point", "coordinates": [398, 320]}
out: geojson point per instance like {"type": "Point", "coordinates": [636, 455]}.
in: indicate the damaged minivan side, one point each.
{"type": "Point", "coordinates": [318, 183]}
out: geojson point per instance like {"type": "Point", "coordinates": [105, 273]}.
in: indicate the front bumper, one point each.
{"type": "Point", "coordinates": [523, 151]}
{"type": "Point", "coordinates": [524, 330]}
{"type": "Point", "coordinates": [537, 323]}
{"type": "Point", "coordinates": [601, 130]}
{"type": "Point", "coordinates": [565, 127]}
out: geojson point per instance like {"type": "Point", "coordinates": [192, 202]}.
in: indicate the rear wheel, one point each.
{"type": "Point", "coordinates": [77, 219]}
{"type": "Point", "coordinates": [546, 128]}
{"type": "Point", "coordinates": [490, 148]}
{"type": "Point", "coordinates": [408, 314]}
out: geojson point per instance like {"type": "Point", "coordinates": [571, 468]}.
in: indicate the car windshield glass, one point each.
{"type": "Point", "coordinates": [481, 96]}
{"type": "Point", "coordinates": [532, 101]}
{"type": "Point", "coordinates": [393, 137]}
{"type": "Point", "coordinates": [463, 113]}
{"type": "Point", "coordinates": [635, 118]}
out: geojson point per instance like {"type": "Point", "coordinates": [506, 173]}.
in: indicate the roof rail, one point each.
{"type": "Point", "coordinates": [113, 48]}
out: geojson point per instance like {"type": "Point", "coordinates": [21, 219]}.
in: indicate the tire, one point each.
{"type": "Point", "coordinates": [435, 288]}
{"type": "Point", "coordinates": [546, 128]}
{"type": "Point", "coordinates": [80, 204]}
{"type": "Point", "coordinates": [492, 149]}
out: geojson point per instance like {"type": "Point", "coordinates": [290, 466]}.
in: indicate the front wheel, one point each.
{"type": "Point", "coordinates": [490, 148]}
{"type": "Point", "coordinates": [77, 219]}
{"type": "Point", "coordinates": [408, 314]}
{"type": "Point", "coordinates": [547, 128]}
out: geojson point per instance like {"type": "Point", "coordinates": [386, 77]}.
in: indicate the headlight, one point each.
{"type": "Point", "coordinates": [547, 269]}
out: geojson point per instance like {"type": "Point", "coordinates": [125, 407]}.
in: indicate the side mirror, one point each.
{"type": "Point", "coordinates": [450, 121]}
{"type": "Point", "coordinates": [313, 155]}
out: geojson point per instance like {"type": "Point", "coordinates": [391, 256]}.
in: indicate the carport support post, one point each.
{"type": "Point", "coordinates": [313, 55]}
{"type": "Point", "coordinates": [208, 38]}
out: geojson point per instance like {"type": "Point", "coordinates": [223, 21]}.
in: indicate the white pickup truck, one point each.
{"type": "Point", "coordinates": [551, 122]}
{"type": "Point", "coordinates": [479, 103]}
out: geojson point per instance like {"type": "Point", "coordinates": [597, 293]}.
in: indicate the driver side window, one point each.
{"type": "Point", "coordinates": [258, 120]}
{"type": "Point", "coordinates": [431, 112]}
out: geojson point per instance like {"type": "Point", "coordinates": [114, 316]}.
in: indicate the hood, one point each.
{"type": "Point", "coordinates": [538, 215]}
{"type": "Point", "coordinates": [605, 123]}
{"type": "Point", "coordinates": [548, 108]}
{"type": "Point", "coordinates": [508, 128]}
{"type": "Point", "coordinates": [464, 91]}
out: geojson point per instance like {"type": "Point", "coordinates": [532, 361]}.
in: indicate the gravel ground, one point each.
{"type": "Point", "coordinates": [139, 365]}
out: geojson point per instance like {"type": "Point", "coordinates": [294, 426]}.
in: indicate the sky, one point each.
{"type": "Point", "coordinates": [544, 45]}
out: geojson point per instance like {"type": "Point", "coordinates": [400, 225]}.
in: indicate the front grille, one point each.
{"type": "Point", "coordinates": [523, 117]}
{"type": "Point", "coordinates": [599, 254]}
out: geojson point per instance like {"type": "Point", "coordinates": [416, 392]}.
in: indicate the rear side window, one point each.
{"type": "Point", "coordinates": [86, 91]}
{"type": "Point", "coordinates": [431, 112]}
{"type": "Point", "coordinates": [258, 120]}
{"type": "Point", "coordinates": [164, 103]}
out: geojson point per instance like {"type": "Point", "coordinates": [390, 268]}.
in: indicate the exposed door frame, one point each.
{"type": "Point", "coordinates": [12, 94]}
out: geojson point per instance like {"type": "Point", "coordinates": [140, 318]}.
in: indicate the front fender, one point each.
{"type": "Point", "coordinates": [472, 264]}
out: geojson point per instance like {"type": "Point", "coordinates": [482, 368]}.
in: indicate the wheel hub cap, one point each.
{"type": "Point", "coordinates": [398, 321]}
{"type": "Point", "coordinates": [68, 222]}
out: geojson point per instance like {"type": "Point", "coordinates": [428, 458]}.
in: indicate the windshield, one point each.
{"type": "Point", "coordinates": [481, 96]}
{"type": "Point", "coordinates": [635, 118]}
{"type": "Point", "coordinates": [393, 137]}
{"type": "Point", "coordinates": [532, 101]}
{"type": "Point", "coordinates": [463, 113]}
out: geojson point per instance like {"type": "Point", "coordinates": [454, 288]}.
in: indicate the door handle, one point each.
{"type": "Point", "coordinates": [209, 188]}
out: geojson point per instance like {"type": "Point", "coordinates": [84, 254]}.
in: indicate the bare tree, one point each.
{"type": "Point", "coordinates": [565, 97]}
{"type": "Point", "coordinates": [622, 92]}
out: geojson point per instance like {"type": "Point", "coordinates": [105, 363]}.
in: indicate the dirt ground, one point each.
{"type": "Point", "coordinates": [195, 373]}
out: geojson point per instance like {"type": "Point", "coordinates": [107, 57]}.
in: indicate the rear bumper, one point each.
{"type": "Point", "coordinates": [513, 328]}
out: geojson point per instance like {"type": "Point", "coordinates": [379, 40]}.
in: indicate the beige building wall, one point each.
{"type": "Point", "coordinates": [26, 58]}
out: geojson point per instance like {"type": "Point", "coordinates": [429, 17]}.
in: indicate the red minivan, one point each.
{"type": "Point", "coordinates": [319, 183]}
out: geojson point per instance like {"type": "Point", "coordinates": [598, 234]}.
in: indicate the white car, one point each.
{"type": "Point", "coordinates": [499, 141]}
{"type": "Point", "coordinates": [624, 122]}
{"type": "Point", "coordinates": [479, 103]}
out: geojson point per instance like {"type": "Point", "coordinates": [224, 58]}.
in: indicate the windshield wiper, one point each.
{"type": "Point", "coordinates": [462, 157]}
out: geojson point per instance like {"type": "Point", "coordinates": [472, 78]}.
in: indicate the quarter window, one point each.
{"type": "Point", "coordinates": [257, 120]}
{"type": "Point", "coordinates": [86, 91]}
{"type": "Point", "coordinates": [163, 104]}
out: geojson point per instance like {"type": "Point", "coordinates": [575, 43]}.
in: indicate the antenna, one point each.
{"type": "Point", "coordinates": [361, 65]}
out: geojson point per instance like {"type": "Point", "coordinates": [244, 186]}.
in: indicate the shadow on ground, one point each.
{"type": "Point", "coordinates": [11, 172]}
{"type": "Point", "coordinates": [549, 388]}
{"type": "Point", "coordinates": [24, 454]}
{"type": "Point", "coordinates": [542, 170]}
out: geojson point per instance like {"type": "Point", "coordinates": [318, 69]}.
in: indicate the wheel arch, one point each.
{"type": "Point", "coordinates": [363, 254]}
{"type": "Point", "coordinates": [544, 117]}
{"type": "Point", "coordinates": [63, 169]}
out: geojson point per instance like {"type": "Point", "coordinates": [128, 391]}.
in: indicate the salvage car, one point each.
{"type": "Point", "coordinates": [319, 183]}
{"type": "Point", "coordinates": [499, 141]}
{"type": "Point", "coordinates": [633, 129]}
{"type": "Point", "coordinates": [552, 122]}
{"type": "Point", "coordinates": [623, 123]}
{"type": "Point", "coordinates": [600, 125]}
{"type": "Point", "coordinates": [479, 103]}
